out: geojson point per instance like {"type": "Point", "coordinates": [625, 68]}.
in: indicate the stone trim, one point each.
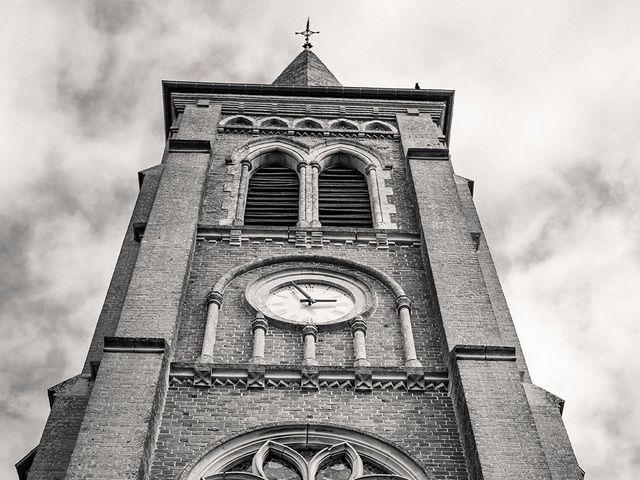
{"type": "Point", "coordinates": [428, 153]}
{"type": "Point", "coordinates": [306, 238]}
{"type": "Point", "coordinates": [298, 378]}
{"type": "Point", "coordinates": [484, 353]}
{"type": "Point", "coordinates": [134, 345]}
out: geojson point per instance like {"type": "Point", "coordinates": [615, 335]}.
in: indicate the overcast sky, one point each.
{"type": "Point", "coordinates": [546, 121]}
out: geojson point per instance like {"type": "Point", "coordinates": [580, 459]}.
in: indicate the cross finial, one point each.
{"type": "Point", "coordinates": [307, 33]}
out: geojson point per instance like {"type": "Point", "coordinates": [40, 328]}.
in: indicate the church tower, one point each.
{"type": "Point", "coordinates": [304, 292]}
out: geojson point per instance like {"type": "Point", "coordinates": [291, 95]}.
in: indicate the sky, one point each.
{"type": "Point", "coordinates": [546, 119]}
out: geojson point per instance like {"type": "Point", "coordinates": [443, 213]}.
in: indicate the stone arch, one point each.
{"type": "Point", "coordinates": [403, 303]}
{"type": "Point", "coordinates": [255, 154]}
{"type": "Point", "coordinates": [366, 160]}
{"type": "Point", "coordinates": [371, 447]}
{"type": "Point", "coordinates": [379, 275]}
{"type": "Point", "coordinates": [274, 122]}
{"type": "Point", "coordinates": [344, 124]}
{"type": "Point", "coordinates": [379, 126]}
{"type": "Point", "coordinates": [238, 120]}
{"type": "Point", "coordinates": [308, 122]}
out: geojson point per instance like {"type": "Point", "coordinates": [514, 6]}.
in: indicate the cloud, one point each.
{"type": "Point", "coordinates": [545, 122]}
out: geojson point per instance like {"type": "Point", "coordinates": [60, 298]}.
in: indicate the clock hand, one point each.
{"type": "Point", "coordinates": [322, 300]}
{"type": "Point", "coordinates": [306, 295]}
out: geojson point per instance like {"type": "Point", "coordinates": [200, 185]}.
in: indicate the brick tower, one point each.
{"type": "Point", "coordinates": [304, 292]}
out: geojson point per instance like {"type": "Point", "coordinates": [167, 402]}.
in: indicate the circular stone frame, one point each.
{"type": "Point", "coordinates": [257, 294]}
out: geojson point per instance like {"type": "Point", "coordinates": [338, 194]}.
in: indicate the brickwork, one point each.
{"type": "Point", "coordinates": [384, 343]}
{"type": "Point", "coordinates": [465, 306]}
{"type": "Point", "coordinates": [422, 424]}
{"type": "Point", "coordinates": [116, 426]}
{"type": "Point", "coordinates": [155, 292]}
{"type": "Point", "coordinates": [546, 410]}
{"type": "Point", "coordinates": [110, 314]}
{"type": "Point", "coordinates": [59, 436]}
{"type": "Point", "coordinates": [490, 275]}
{"type": "Point", "coordinates": [500, 422]}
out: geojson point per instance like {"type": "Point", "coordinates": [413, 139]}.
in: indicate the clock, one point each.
{"type": "Point", "coordinates": [310, 302]}
{"type": "Point", "coordinates": [322, 297]}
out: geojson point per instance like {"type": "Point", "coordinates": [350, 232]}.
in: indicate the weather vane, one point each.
{"type": "Point", "coordinates": [307, 33]}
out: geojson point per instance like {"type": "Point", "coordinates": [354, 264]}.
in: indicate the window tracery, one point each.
{"type": "Point", "coordinates": [276, 461]}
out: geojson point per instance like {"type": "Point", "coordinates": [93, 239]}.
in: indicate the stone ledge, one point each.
{"type": "Point", "coordinates": [484, 353]}
{"type": "Point", "coordinates": [134, 345]}
{"type": "Point", "coordinates": [189, 145]}
{"type": "Point", "coordinates": [435, 153]}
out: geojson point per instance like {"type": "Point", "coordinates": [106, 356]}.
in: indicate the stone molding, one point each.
{"type": "Point", "coordinates": [304, 378]}
{"type": "Point", "coordinates": [308, 238]}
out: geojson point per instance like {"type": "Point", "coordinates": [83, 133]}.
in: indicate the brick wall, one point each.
{"type": "Point", "coordinates": [233, 343]}
{"type": "Point", "coordinates": [422, 424]}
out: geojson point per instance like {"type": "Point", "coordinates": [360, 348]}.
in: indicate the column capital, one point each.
{"type": "Point", "coordinates": [214, 297]}
{"type": "Point", "coordinates": [403, 301]}
{"type": "Point", "coordinates": [369, 168]}
{"type": "Point", "coordinates": [315, 165]}
{"type": "Point", "coordinates": [300, 166]}
{"type": "Point", "coordinates": [310, 329]}
{"type": "Point", "coordinates": [259, 322]}
{"type": "Point", "coordinates": [358, 325]}
{"type": "Point", "coordinates": [246, 163]}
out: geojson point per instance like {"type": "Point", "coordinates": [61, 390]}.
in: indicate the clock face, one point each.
{"type": "Point", "coordinates": [310, 302]}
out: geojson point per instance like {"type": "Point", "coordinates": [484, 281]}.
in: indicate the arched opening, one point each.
{"type": "Point", "coordinates": [273, 192]}
{"type": "Point", "coordinates": [239, 122]}
{"type": "Point", "coordinates": [304, 452]}
{"type": "Point", "coordinates": [343, 197]}
{"type": "Point", "coordinates": [308, 123]}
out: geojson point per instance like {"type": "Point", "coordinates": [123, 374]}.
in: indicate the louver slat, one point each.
{"type": "Point", "coordinates": [273, 197]}
{"type": "Point", "coordinates": [344, 198]}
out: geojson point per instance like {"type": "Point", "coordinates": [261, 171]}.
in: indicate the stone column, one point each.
{"type": "Point", "coordinates": [302, 198]}
{"type": "Point", "coordinates": [374, 195]}
{"type": "Point", "coordinates": [242, 192]}
{"type": "Point", "coordinates": [404, 312]}
{"type": "Point", "coordinates": [309, 336]}
{"type": "Point", "coordinates": [214, 301]}
{"type": "Point", "coordinates": [314, 198]}
{"type": "Point", "coordinates": [259, 328]}
{"type": "Point", "coordinates": [359, 331]}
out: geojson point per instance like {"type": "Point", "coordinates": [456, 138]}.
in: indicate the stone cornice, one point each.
{"type": "Point", "coordinates": [361, 93]}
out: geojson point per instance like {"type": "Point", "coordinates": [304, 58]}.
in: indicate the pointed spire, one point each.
{"type": "Point", "coordinates": [307, 69]}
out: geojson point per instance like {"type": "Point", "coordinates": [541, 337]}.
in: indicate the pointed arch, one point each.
{"type": "Point", "coordinates": [355, 444]}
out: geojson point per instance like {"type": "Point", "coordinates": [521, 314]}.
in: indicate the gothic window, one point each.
{"type": "Point", "coordinates": [343, 198]}
{"type": "Point", "coordinates": [272, 197]}
{"type": "Point", "coordinates": [276, 461]}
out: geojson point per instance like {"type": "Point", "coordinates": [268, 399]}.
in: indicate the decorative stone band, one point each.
{"type": "Point", "coordinates": [307, 237]}
{"type": "Point", "coordinates": [134, 345]}
{"type": "Point", "coordinates": [484, 353]}
{"type": "Point", "coordinates": [367, 379]}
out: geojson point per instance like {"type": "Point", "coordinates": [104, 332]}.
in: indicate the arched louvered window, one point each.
{"type": "Point", "coordinates": [344, 198]}
{"type": "Point", "coordinates": [272, 198]}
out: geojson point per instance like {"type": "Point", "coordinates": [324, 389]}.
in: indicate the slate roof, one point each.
{"type": "Point", "coordinates": [307, 70]}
